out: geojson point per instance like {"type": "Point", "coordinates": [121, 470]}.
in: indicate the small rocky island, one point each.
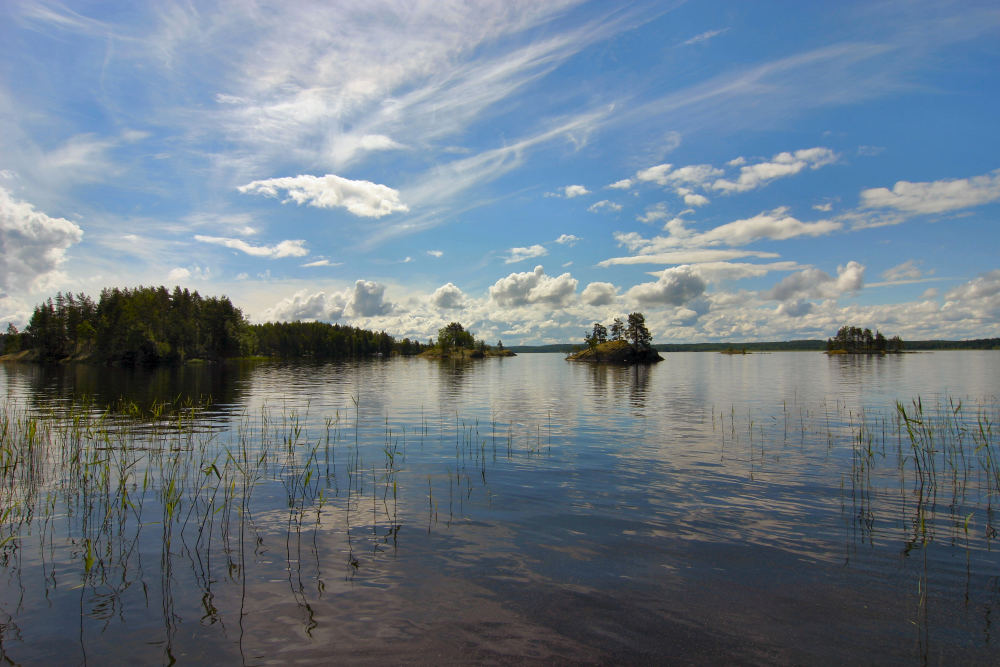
{"type": "Point", "coordinates": [625, 344]}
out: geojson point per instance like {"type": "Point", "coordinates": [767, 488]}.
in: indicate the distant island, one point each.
{"type": "Point", "coordinates": [625, 344]}
{"type": "Point", "coordinates": [855, 340]}
{"type": "Point", "coordinates": [454, 342]}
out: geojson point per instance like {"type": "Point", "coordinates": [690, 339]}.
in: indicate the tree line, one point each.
{"type": "Point", "coordinates": [152, 325]}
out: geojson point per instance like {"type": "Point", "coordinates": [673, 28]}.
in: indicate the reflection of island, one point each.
{"type": "Point", "coordinates": [630, 344]}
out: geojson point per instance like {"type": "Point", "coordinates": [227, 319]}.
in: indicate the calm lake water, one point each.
{"type": "Point", "coordinates": [766, 508]}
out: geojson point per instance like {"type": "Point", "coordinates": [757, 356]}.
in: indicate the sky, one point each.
{"type": "Point", "coordinates": [736, 171]}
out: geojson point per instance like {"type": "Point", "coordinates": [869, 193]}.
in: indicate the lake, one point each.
{"type": "Point", "coordinates": [746, 509]}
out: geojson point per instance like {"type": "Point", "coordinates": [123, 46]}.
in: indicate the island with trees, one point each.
{"type": "Point", "coordinates": [855, 340]}
{"type": "Point", "coordinates": [624, 343]}
{"type": "Point", "coordinates": [455, 342]}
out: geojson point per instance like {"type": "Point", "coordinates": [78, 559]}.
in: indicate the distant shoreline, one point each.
{"type": "Point", "coordinates": [777, 346]}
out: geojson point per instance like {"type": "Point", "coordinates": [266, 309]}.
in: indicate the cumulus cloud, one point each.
{"type": "Point", "coordinates": [675, 287]}
{"type": "Point", "coordinates": [307, 306]}
{"type": "Point", "coordinates": [534, 287]}
{"type": "Point", "coordinates": [34, 244]}
{"type": "Point", "coordinates": [435, 253]}
{"type": "Point", "coordinates": [571, 191]}
{"type": "Point", "coordinates": [604, 204]}
{"type": "Point", "coordinates": [795, 308]}
{"type": "Point", "coordinates": [817, 284]}
{"type": "Point", "coordinates": [623, 184]}
{"type": "Point", "coordinates": [521, 254]}
{"type": "Point", "coordinates": [692, 198]}
{"type": "Point", "coordinates": [448, 296]}
{"type": "Point", "coordinates": [783, 164]}
{"type": "Point", "coordinates": [935, 196]}
{"type": "Point", "coordinates": [177, 275]}
{"type": "Point", "coordinates": [567, 239]}
{"type": "Point", "coordinates": [368, 300]}
{"type": "Point", "coordinates": [294, 248]}
{"type": "Point", "coordinates": [599, 294]}
{"type": "Point", "coordinates": [362, 198]}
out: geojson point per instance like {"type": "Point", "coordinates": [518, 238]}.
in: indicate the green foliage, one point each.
{"type": "Point", "coordinates": [145, 325]}
{"type": "Point", "coordinates": [320, 340]}
{"type": "Point", "coordinates": [151, 325]}
{"type": "Point", "coordinates": [854, 340]}
{"type": "Point", "coordinates": [635, 333]}
{"type": "Point", "coordinates": [455, 335]}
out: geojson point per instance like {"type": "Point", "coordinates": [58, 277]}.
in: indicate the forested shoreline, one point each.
{"type": "Point", "coordinates": [153, 325]}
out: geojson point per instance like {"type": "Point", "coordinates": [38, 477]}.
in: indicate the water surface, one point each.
{"type": "Point", "coordinates": [748, 508]}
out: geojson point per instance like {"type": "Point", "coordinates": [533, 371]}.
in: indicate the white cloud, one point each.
{"type": "Point", "coordinates": [714, 272]}
{"type": "Point", "coordinates": [571, 191]}
{"type": "Point", "coordinates": [694, 199]}
{"type": "Point", "coordinates": [178, 275]}
{"type": "Point", "coordinates": [34, 245]}
{"type": "Point", "coordinates": [435, 253]}
{"type": "Point", "coordinates": [776, 225]}
{"type": "Point", "coordinates": [665, 174]}
{"type": "Point", "coordinates": [567, 239]}
{"type": "Point", "coordinates": [795, 308]}
{"type": "Point", "coordinates": [704, 37]}
{"type": "Point", "coordinates": [294, 248]}
{"type": "Point", "coordinates": [814, 283]}
{"type": "Point", "coordinates": [654, 213]}
{"type": "Point", "coordinates": [694, 256]}
{"type": "Point", "coordinates": [362, 198]}
{"type": "Point", "coordinates": [675, 287]}
{"type": "Point", "coordinates": [825, 207]}
{"type": "Point", "coordinates": [522, 289]}
{"type": "Point", "coordinates": [307, 306]}
{"type": "Point", "coordinates": [346, 147]}
{"type": "Point", "coordinates": [781, 165]}
{"type": "Point", "coordinates": [368, 300]}
{"type": "Point", "coordinates": [448, 296]}
{"type": "Point", "coordinates": [935, 196]}
{"type": "Point", "coordinates": [521, 254]}
{"type": "Point", "coordinates": [604, 204]}
{"type": "Point", "coordinates": [623, 184]}
{"type": "Point", "coordinates": [320, 262]}
{"type": "Point", "coordinates": [599, 294]}
{"type": "Point", "coordinates": [906, 271]}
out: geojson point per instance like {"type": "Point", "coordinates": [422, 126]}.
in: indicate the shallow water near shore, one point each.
{"type": "Point", "coordinates": [742, 508]}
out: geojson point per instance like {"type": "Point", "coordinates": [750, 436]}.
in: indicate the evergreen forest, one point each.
{"type": "Point", "coordinates": [153, 325]}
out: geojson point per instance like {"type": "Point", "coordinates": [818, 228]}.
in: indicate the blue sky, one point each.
{"type": "Point", "coordinates": [736, 171]}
